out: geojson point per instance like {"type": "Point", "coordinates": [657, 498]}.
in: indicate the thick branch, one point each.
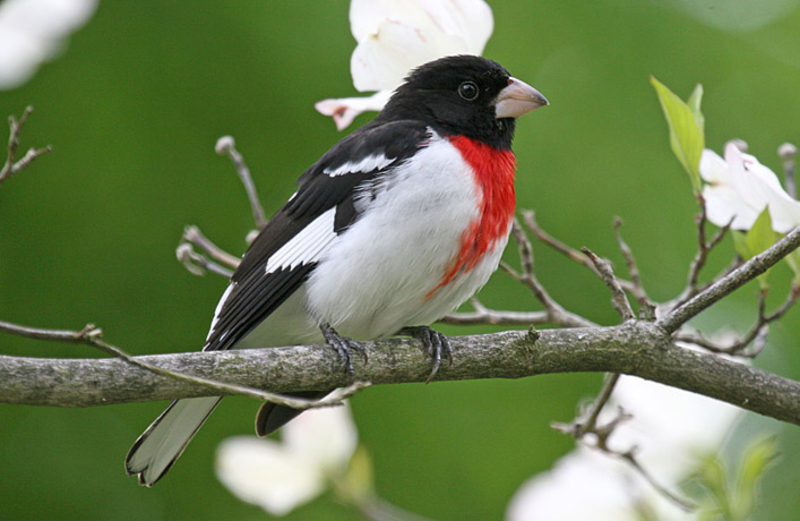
{"type": "Point", "coordinates": [635, 348]}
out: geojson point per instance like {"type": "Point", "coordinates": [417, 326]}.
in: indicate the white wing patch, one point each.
{"type": "Point", "coordinates": [307, 246]}
{"type": "Point", "coordinates": [368, 164]}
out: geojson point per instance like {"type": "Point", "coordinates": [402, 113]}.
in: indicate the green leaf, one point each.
{"type": "Point", "coordinates": [713, 477]}
{"type": "Point", "coordinates": [740, 244]}
{"type": "Point", "coordinates": [358, 484]}
{"type": "Point", "coordinates": [686, 136]}
{"type": "Point", "coordinates": [694, 105]}
{"type": "Point", "coordinates": [757, 458]}
{"type": "Point", "coordinates": [760, 237]}
{"type": "Point", "coordinates": [793, 260]}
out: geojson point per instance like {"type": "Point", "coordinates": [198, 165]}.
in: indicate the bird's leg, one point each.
{"type": "Point", "coordinates": [343, 346]}
{"type": "Point", "coordinates": [435, 344]}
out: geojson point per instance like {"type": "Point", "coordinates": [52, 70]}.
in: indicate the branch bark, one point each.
{"type": "Point", "coordinates": [635, 348]}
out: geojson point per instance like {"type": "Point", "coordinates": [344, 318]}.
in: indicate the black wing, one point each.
{"type": "Point", "coordinates": [286, 251]}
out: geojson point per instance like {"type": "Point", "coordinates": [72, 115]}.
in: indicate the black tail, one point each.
{"type": "Point", "coordinates": [272, 417]}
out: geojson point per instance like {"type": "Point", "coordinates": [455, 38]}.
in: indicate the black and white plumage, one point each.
{"type": "Point", "coordinates": [394, 227]}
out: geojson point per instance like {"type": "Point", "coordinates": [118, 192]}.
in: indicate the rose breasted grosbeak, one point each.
{"type": "Point", "coordinates": [394, 227]}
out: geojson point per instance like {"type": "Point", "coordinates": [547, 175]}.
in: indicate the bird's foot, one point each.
{"type": "Point", "coordinates": [436, 345]}
{"type": "Point", "coordinates": [343, 347]}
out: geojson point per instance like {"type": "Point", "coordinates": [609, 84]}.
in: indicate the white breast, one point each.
{"type": "Point", "coordinates": [377, 277]}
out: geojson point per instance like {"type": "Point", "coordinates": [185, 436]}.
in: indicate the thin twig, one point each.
{"type": "Point", "coordinates": [555, 312]}
{"type": "Point", "coordinates": [590, 424]}
{"type": "Point", "coordinates": [683, 503]}
{"type": "Point", "coordinates": [193, 235]}
{"type": "Point", "coordinates": [529, 218]}
{"type": "Point", "coordinates": [630, 261]}
{"type": "Point", "coordinates": [497, 318]}
{"type": "Point", "coordinates": [590, 434]}
{"type": "Point", "coordinates": [484, 315]}
{"type": "Point", "coordinates": [90, 336]}
{"type": "Point", "coordinates": [723, 287]}
{"type": "Point", "coordinates": [755, 336]}
{"type": "Point", "coordinates": [704, 248]}
{"type": "Point", "coordinates": [15, 127]}
{"type": "Point", "coordinates": [648, 307]}
{"type": "Point", "coordinates": [227, 146]}
{"type": "Point", "coordinates": [618, 298]}
{"type": "Point", "coordinates": [198, 264]}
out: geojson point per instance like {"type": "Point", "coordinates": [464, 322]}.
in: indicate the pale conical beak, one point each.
{"type": "Point", "coordinates": [517, 99]}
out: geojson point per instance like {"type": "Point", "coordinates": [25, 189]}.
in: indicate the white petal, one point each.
{"type": "Point", "coordinates": [31, 31]}
{"type": "Point", "coordinates": [263, 473]}
{"type": "Point", "coordinates": [383, 59]}
{"type": "Point", "coordinates": [471, 20]}
{"type": "Point", "coordinates": [671, 428]}
{"type": "Point", "coordinates": [724, 203]}
{"type": "Point", "coordinates": [713, 168]}
{"type": "Point", "coordinates": [740, 186]}
{"type": "Point", "coordinates": [783, 209]}
{"type": "Point", "coordinates": [327, 437]}
{"type": "Point", "coordinates": [580, 486]}
{"type": "Point", "coordinates": [20, 56]}
{"type": "Point", "coordinates": [345, 110]}
{"type": "Point", "coordinates": [367, 15]}
{"type": "Point", "coordinates": [395, 37]}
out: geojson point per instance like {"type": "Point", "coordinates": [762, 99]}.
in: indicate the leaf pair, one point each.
{"type": "Point", "coordinates": [686, 128]}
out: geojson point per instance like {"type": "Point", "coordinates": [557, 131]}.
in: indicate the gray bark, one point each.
{"type": "Point", "coordinates": [634, 348]}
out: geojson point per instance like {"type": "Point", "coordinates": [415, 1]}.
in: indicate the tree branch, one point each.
{"type": "Point", "coordinates": [725, 286]}
{"type": "Point", "coordinates": [9, 168]}
{"type": "Point", "coordinates": [635, 348]}
{"type": "Point", "coordinates": [227, 146]}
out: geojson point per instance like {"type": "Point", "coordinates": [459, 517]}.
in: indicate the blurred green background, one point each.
{"type": "Point", "coordinates": [133, 109]}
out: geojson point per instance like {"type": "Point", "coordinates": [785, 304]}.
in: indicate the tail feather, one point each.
{"type": "Point", "coordinates": [272, 417]}
{"type": "Point", "coordinates": [165, 440]}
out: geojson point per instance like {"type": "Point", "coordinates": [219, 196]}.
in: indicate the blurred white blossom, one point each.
{"type": "Point", "coordinates": [739, 188]}
{"type": "Point", "coordinates": [672, 429]}
{"type": "Point", "coordinates": [32, 31]}
{"type": "Point", "coordinates": [315, 449]}
{"type": "Point", "coordinates": [396, 36]}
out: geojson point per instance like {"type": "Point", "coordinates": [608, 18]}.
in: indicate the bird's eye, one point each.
{"type": "Point", "coordinates": [468, 90]}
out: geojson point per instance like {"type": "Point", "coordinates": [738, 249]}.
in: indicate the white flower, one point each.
{"type": "Point", "coordinates": [279, 476]}
{"type": "Point", "coordinates": [739, 188]}
{"type": "Point", "coordinates": [32, 31]}
{"type": "Point", "coordinates": [396, 36]}
{"type": "Point", "coordinates": [672, 431]}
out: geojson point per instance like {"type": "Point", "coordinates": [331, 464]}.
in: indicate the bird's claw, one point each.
{"type": "Point", "coordinates": [343, 347]}
{"type": "Point", "coordinates": [436, 344]}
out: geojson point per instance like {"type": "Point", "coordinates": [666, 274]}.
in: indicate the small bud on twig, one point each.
{"type": "Point", "coordinates": [741, 144]}
{"type": "Point", "coordinates": [224, 145]}
{"type": "Point", "coordinates": [787, 152]}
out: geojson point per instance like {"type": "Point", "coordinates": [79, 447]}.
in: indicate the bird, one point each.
{"type": "Point", "coordinates": [398, 224]}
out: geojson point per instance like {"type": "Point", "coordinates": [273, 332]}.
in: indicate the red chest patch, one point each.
{"type": "Point", "coordinates": [494, 180]}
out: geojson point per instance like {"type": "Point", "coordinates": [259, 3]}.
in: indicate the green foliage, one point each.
{"type": "Point", "coordinates": [686, 133]}
{"type": "Point", "coordinates": [734, 498]}
{"type": "Point", "coordinates": [755, 462]}
{"type": "Point", "coordinates": [793, 260]}
{"type": "Point", "coordinates": [757, 239]}
{"type": "Point", "coordinates": [357, 486]}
